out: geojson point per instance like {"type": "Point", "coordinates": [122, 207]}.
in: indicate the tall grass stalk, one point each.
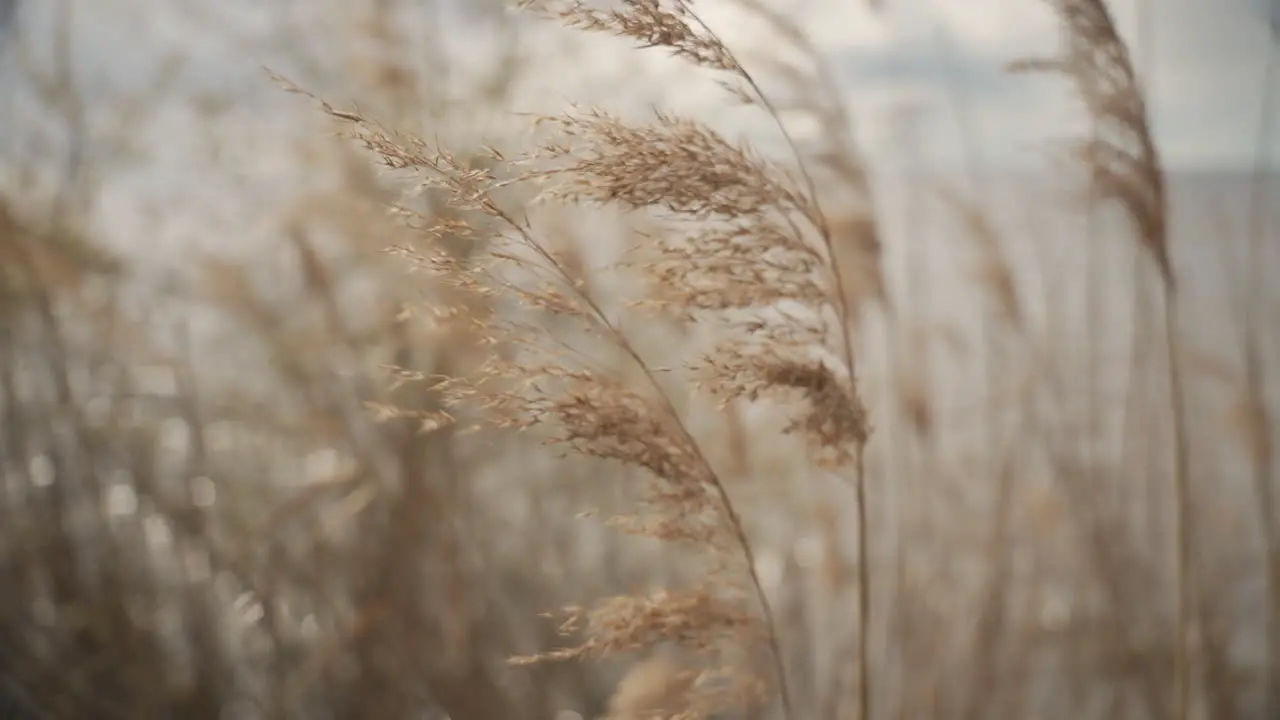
{"type": "Point", "coordinates": [1256, 417]}
{"type": "Point", "coordinates": [744, 237]}
{"type": "Point", "coordinates": [1125, 168]}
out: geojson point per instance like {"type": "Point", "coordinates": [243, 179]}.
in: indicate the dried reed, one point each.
{"type": "Point", "coordinates": [1125, 168]}
{"type": "Point", "coordinates": [747, 248]}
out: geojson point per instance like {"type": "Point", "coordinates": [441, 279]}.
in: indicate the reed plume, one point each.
{"type": "Point", "coordinates": [745, 250]}
{"type": "Point", "coordinates": [1125, 168]}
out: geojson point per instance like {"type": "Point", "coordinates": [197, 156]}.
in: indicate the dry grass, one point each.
{"type": "Point", "coordinates": [748, 248]}
{"type": "Point", "coordinates": [1125, 168]}
{"type": "Point", "coordinates": [825, 501]}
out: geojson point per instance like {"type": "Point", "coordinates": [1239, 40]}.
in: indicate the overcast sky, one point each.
{"type": "Point", "coordinates": [1202, 59]}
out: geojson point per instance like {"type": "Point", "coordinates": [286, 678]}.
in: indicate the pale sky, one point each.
{"type": "Point", "coordinates": [1203, 59]}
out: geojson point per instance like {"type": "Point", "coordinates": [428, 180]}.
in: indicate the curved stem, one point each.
{"type": "Point", "coordinates": [1182, 510]}
{"type": "Point", "coordinates": [815, 216]}
{"type": "Point", "coordinates": [713, 478]}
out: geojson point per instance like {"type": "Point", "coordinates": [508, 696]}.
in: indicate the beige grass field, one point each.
{"type": "Point", "coordinates": [621, 410]}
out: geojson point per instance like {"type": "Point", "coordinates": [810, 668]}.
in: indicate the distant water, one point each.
{"type": "Point", "coordinates": [1047, 234]}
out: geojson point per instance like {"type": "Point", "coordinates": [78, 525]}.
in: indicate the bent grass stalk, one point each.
{"type": "Point", "coordinates": [1126, 169]}
{"type": "Point", "coordinates": [737, 249]}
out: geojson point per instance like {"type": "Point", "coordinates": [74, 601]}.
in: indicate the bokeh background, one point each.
{"type": "Point", "coordinates": [202, 514]}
